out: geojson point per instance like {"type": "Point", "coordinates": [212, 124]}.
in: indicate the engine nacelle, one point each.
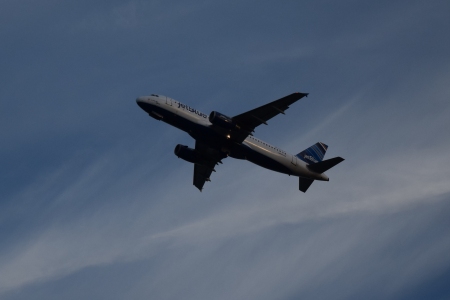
{"type": "Point", "coordinates": [221, 120]}
{"type": "Point", "coordinates": [186, 153]}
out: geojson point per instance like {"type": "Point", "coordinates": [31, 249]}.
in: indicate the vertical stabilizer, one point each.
{"type": "Point", "coordinates": [313, 154]}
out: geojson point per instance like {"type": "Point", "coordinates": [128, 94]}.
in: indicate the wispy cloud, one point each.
{"type": "Point", "coordinates": [125, 208]}
{"type": "Point", "coordinates": [123, 222]}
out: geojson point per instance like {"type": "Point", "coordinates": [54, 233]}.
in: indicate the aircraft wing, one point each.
{"type": "Point", "coordinates": [248, 121]}
{"type": "Point", "coordinates": [210, 158]}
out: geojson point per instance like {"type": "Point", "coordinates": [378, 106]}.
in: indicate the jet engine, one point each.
{"type": "Point", "coordinates": [221, 120]}
{"type": "Point", "coordinates": [186, 153]}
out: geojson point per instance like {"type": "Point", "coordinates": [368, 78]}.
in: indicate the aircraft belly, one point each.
{"type": "Point", "coordinates": [267, 162]}
{"type": "Point", "coordinates": [219, 136]}
{"type": "Point", "coordinates": [201, 131]}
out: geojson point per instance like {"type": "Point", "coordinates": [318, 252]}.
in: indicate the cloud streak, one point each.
{"type": "Point", "coordinates": [96, 205]}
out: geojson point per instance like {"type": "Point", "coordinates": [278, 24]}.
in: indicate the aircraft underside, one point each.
{"type": "Point", "coordinates": [220, 136]}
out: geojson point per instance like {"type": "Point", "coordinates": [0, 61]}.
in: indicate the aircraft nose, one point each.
{"type": "Point", "coordinates": [140, 99]}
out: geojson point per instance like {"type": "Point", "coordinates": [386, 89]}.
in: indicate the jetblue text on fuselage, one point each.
{"type": "Point", "coordinates": [180, 105]}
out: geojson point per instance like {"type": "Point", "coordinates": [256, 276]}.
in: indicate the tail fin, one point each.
{"type": "Point", "coordinates": [313, 154]}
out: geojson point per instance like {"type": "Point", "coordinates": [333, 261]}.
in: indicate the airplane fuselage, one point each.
{"type": "Point", "coordinates": [198, 126]}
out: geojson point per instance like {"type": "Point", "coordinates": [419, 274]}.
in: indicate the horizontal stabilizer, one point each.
{"type": "Point", "coordinates": [325, 165]}
{"type": "Point", "coordinates": [304, 184]}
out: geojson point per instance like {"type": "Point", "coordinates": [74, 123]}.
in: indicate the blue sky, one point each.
{"type": "Point", "coordinates": [94, 204]}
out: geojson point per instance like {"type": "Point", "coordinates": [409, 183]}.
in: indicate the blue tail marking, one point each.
{"type": "Point", "coordinates": [313, 154]}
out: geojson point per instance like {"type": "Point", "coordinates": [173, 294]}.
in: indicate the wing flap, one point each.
{"type": "Point", "coordinates": [211, 157]}
{"type": "Point", "coordinates": [201, 175]}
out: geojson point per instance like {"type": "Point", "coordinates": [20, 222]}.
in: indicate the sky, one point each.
{"type": "Point", "coordinates": [95, 205]}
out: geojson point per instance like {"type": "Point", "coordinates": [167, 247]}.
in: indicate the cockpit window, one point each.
{"type": "Point", "coordinates": [154, 95]}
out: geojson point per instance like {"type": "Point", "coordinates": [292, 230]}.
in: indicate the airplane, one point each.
{"type": "Point", "coordinates": [218, 136]}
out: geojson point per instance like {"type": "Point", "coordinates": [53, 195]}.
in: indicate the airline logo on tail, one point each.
{"type": "Point", "coordinates": [313, 154]}
{"type": "Point", "coordinates": [310, 158]}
